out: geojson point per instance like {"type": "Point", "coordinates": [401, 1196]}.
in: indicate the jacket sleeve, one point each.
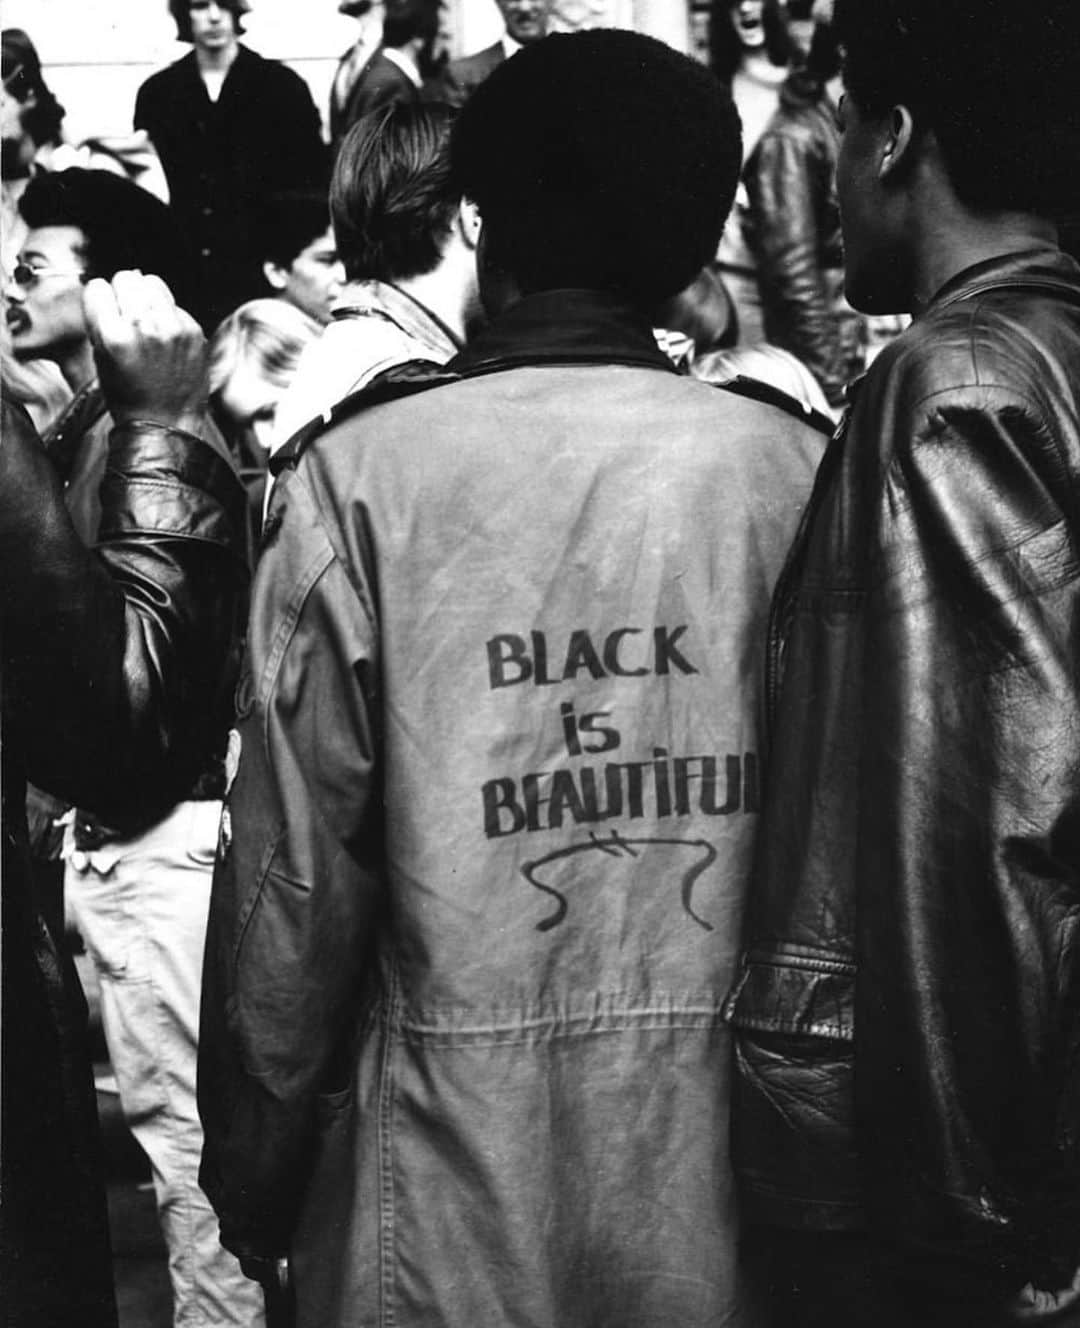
{"type": "Point", "coordinates": [968, 859]}
{"type": "Point", "coordinates": [120, 662]}
{"type": "Point", "coordinates": [297, 882]}
{"type": "Point", "coordinates": [788, 187]}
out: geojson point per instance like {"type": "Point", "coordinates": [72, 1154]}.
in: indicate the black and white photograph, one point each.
{"type": "Point", "coordinates": [540, 664]}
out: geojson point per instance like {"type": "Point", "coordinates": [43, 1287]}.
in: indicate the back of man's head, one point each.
{"type": "Point", "coordinates": [405, 20]}
{"type": "Point", "coordinates": [392, 200]}
{"type": "Point", "coordinates": [604, 160]}
{"type": "Point", "coordinates": [123, 225]}
{"type": "Point", "coordinates": [996, 82]}
{"type": "Point", "coordinates": [290, 221]}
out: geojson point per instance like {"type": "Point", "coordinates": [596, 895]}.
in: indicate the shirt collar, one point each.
{"type": "Point", "coordinates": [510, 47]}
{"type": "Point", "coordinates": [407, 66]}
{"type": "Point", "coordinates": [382, 299]}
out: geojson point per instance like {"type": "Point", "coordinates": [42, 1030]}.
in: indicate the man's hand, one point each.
{"type": "Point", "coordinates": [151, 356]}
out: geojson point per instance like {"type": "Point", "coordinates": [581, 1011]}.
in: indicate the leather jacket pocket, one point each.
{"type": "Point", "coordinates": [793, 1099]}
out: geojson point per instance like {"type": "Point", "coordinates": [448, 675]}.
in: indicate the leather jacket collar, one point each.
{"type": "Point", "coordinates": [563, 327]}
{"type": "Point", "coordinates": [1032, 267]}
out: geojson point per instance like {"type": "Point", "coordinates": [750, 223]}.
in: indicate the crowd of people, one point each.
{"type": "Point", "coordinates": [573, 399]}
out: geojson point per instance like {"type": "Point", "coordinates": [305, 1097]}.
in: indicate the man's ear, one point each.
{"type": "Point", "coordinates": [275, 275]}
{"type": "Point", "coordinates": [470, 221]}
{"type": "Point", "coordinates": [898, 142]}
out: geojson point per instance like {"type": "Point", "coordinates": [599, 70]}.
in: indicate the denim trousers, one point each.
{"type": "Point", "coordinates": [140, 905]}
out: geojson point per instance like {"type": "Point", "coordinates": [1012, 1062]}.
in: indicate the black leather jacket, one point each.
{"type": "Point", "coordinates": [116, 685]}
{"type": "Point", "coordinates": [908, 1013]}
{"type": "Point", "coordinates": [793, 230]}
{"type": "Point", "coordinates": [119, 664]}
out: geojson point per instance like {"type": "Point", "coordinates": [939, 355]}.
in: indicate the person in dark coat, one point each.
{"type": "Point", "coordinates": [231, 129]}
{"type": "Point", "coordinates": [526, 22]}
{"type": "Point", "coordinates": [398, 68]}
{"type": "Point", "coordinates": [108, 657]}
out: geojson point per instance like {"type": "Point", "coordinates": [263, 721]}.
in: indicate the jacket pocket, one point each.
{"type": "Point", "coordinates": [794, 990]}
{"type": "Point", "coordinates": [793, 1143]}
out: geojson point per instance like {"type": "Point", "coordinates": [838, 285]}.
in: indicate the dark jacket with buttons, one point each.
{"type": "Point", "coordinates": [224, 159]}
{"type": "Point", "coordinates": [908, 1015]}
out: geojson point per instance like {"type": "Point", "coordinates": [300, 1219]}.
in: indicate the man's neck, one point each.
{"type": "Point", "coordinates": [217, 61]}
{"type": "Point", "coordinates": [949, 242]}
{"type": "Point", "coordinates": [440, 292]}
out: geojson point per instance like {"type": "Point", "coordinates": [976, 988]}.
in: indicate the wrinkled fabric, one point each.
{"type": "Point", "coordinates": [792, 227]}
{"type": "Point", "coordinates": [111, 660]}
{"type": "Point", "coordinates": [461, 1051]}
{"type": "Point", "coordinates": [908, 1014]}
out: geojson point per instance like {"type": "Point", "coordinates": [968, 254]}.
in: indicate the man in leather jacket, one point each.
{"type": "Point", "coordinates": [116, 667]}
{"type": "Point", "coordinates": [907, 1112]}
{"type": "Point", "coordinates": [792, 226]}
{"type": "Point", "coordinates": [137, 885]}
{"type": "Point", "coordinates": [461, 1053]}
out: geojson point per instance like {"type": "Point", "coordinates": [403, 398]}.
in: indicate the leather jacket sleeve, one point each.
{"type": "Point", "coordinates": [297, 882]}
{"type": "Point", "coordinates": [119, 661]}
{"type": "Point", "coordinates": [967, 1075]}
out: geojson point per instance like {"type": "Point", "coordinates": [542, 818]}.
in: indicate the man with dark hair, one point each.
{"type": "Point", "coordinates": [463, 1060]}
{"type": "Point", "coordinates": [526, 22]}
{"type": "Point", "coordinates": [300, 258]}
{"type": "Point", "coordinates": [407, 240]}
{"type": "Point", "coordinates": [399, 66]}
{"type": "Point", "coordinates": [137, 887]}
{"type": "Point", "coordinates": [908, 1016]}
{"type": "Point", "coordinates": [117, 665]}
{"type": "Point", "coordinates": [81, 224]}
{"type": "Point", "coordinates": [231, 128]}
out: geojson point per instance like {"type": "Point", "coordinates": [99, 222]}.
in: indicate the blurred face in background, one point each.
{"type": "Point", "coordinates": [45, 295]}
{"type": "Point", "coordinates": [16, 145]}
{"type": "Point", "coordinates": [213, 26]}
{"type": "Point", "coordinates": [249, 400]}
{"type": "Point", "coordinates": [313, 280]}
{"type": "Point", "coordinates": [526, 20]}
{"type": "Point", "coordinates": [746, 19]}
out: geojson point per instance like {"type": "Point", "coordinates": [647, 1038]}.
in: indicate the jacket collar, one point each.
{"type": "Point", "coordinates": [382, 299]}
{"type": "Point", "coordinates": [563, 327]}
{"type": "Point", "coordinates": [1033, 268]}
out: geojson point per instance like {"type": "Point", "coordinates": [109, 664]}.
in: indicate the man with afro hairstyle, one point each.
{"type": "Point", "coordinates": [907, 1114]}
{"type": "Point", "coordinates": [463, 1060]}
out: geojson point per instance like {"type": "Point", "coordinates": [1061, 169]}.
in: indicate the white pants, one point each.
{"type": "Point", "coordinates": [140, 905]}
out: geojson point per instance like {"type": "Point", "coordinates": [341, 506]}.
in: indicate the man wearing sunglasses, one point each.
{"type": "Point", "coordinates": [137, 884]}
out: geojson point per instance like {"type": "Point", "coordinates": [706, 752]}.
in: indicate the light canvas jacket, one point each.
{"type": "Point", "coordinates": [462, 1046]}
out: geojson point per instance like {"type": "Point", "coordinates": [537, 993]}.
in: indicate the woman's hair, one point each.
{"type": "Point", "coordinates": [23, 79]}
{"type": "Point", "coordinates": [726, 51]}
{"type": "Point", "coordinates": [266, 336]}
{"type": "Point", "coordinates": [181, 12]}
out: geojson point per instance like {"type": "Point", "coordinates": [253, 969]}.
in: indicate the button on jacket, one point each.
{"type": "Point", "coordinates": [908, 1014]}
{"type": "Point", "coordinates": [462, 1051]}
